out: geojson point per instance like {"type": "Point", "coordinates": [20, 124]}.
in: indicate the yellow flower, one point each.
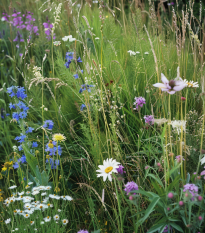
{"type": "Point", "coordinates": [50, 145]}
{"type": "Point", "coordinates": [59, 137]}
{"type": "Point", "coordinates": [106, 16]}
{"type": "Point", "coordinates": [8, 164]}
{"type": "Point", "coordinates": [3, 169]}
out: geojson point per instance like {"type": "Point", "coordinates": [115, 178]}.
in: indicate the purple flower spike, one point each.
{"type": "Point", "coordinates": [139, 101]}
{"type": "Point", "coordinates": [120, 170]}
{"type": "Point", "coordinates": [149, 119]}
{"type": "Point", "coordinates": [131, 186]}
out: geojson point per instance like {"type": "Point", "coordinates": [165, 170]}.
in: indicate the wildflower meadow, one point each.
{"type": "Point", "coordinates": [102, 116]}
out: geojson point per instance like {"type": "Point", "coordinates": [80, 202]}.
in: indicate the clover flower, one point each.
{"type": "Point", "coordinates": [109, 166]}
{"type": "Point", "coordinates": [171, 86]}
{"type": "Point", "coordinates": [179, 158]}
{"type": "Point", "coordinates": [130, 186]}
{"type": "Point", "coordinates": [192, 189]}
{"type": "Point", "coordinates": [139, 101]}
{"type": "Point", "coordinates": [149, 119]}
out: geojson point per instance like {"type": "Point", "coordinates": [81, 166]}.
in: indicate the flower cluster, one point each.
{"type": "Point", "coordinates": [139, 101]}
{"type": "Point", "coordinates": [47, 27]}
{"type": "Point", "coordinates": [179, 158]}
{"type": "Point", "coordinates": [149, 119]}
{"type": "Point", "coordinates": [131, 186]}
{"type": "Point", "coordinates": [191, 189]}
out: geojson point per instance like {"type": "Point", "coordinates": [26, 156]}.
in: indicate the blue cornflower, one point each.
{"type": "Point", "coordinates": [12, 106]}
{"type": "Point", "coordinates": [12, 91]}
{"type": "Point", "coordinates": [17, 91]}
{"type": "Point", "coordinates": [29, 130]}
{"type": "Point", "coordinates": [15, 116]}
{"type": "Point", "coordinates": [79, 60]}
{"type": "Point", "coordinates": [52, 163]}
{"type": "Point", "coordinates": [7, 114]}
{"type": "Point", "coordinates": [22, 159]}
{"type": "Point", "coordinates": [82, 107]}
{"type": "Point", "coordinates": [85, 87]}
{"type": "Point", "coordinates": [15, 165]}
{"type": "Point", "coordinates": [69, 56]}
{"type": "Point", "coordinates": [22, 106]}
{"type": "Point", "coordinates": [52, 149]}
{"type": "Point", "coordinates": [34, 144]}
{"type": "Point", "coordinates": [67, 64]}
{"type": "Point", "coordinates": [48, 124]}
{"type": "Point", "coordinates": [76, 76]}
{"type": "Point", "coordinates": [20, 148]}
{"type": "Point", "coordinates": [20, 138]}
{"type": "Point", "coordinates": [23, 115]}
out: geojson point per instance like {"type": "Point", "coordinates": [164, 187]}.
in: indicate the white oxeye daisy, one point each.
{"type": "Point", "coordinates": [31, 222]}
{"type": "Point", "coordinates": [109, 166]}
{"type": "Point", "coordinates": [35, 192]}
{"type": "Point", "coordinates": [47, 219]}
{"type": "Point", "coordinates": [26, 215]}
{"type": "Point", "coordinates": [191, 83]}
{"type": "Point", "coordinates": [53, 196]}
{"type": "Point", "coordinates": [68, 198]}
{"type": "Point", "coordinates": [43, 194]}
{"type": "Point", "coordinates": [27, 205]}
{"type": "Point", "coordinates": [12, 187]}
{"type": "Point", "coordinates": [7, 221]}
{"type": "Point", "coordinates": [30, 183]}
{"type": "Point", "coordinates": [20, 194]}
{"type": "Point", "coordinates": [28, 192]}
{"type": "Point", "coordinates": [56, 217]}
{"type": "Point", "coordinates": [47, 187]}
{"type": "Point", "coordinates": [65, 221]}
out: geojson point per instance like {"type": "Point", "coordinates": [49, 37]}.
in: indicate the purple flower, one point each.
{"type": "Point", "coordinates": [149, 119]}
{"type": "Point", "coordinates": [131, 186]}
{"type": "Point", "coordinates": [48, 124]}
{"type": "Point", "coordinates": [179, 158]}
{"type": "Point", "coordinates": [83, 231]}
{"type": "Point", "coordinates": [18, 38]}
{"type": "Point", "coordinates": [67, 64]}
{"type": "Point", "coordinates": [82, 107]}
{"type": "Point", "coordinates": [85, 87]}
{"type": "Point", "coordinates": [139, 101]}
{"type": "Point", "coordinates": [192, 189]}
{"type": "Point", "coordinates": [170, 86]}
{"type": "Point", "coordinates": [79, 60]}
{"type": "Point", "coordinates": [166, 229]}
{"type": "Point", "coordinates": [69, 56]}
{"type": "Point", "coordinates": [53, 163]}
{"type": "Point", "coordinates": [75, 76]}
{"type": "Point", "coordinates": [120, 170]}
{"type": "Point", "coordinates": [172, 3]}
{"type": "Point", "coordinates": [17, 21]}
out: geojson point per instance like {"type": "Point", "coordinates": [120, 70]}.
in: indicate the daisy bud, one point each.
{"type": "Point", "coordinates": [170, 195]}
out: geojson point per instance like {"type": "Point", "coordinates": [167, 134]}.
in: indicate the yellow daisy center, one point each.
{"type": "Point", "coordinates": [48, 217]}
{"type": "Point", "coordinates": [64, 221]}
{"type": "Point", "coordinates": [108, 169]}
{"type": "Point", "coordinates": [50, 145]}
{"type": "Point", "coordinates": [190, 84]}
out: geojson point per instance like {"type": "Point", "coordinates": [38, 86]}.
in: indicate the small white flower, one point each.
{"type": "Point", "coordinates": [72, 39]}
{"type": "Point", "coordinates": [26, 215]}
{"type": "Point", "coordinates": [68, 198]}
{"type": "Point", "coordinates": [47, 188]}
{"type": "Point", "coordinates": [14, 148]}
{"type": "Point", "coordinates": [27, 205]}
{"type": "Point", "coordinates": [16, 229]}
{"type": "Point", "coordinates": [7, 221]}
{"type": "Point", "coordinates": [42, 222]}
{"type": "Point", "coordinates": [59, 210]}
{"type": "Point", "coordinates": [107, 168]}
{"type": "Point", "coordinates": [97, 38]}
{"type": "Point", "coordinates": [131, 52]}
{"type": "Point", "coordinates": [178, 125]}
{"type": "Point", "coordinates": [65, 38]}
{"type": "Point", "coordinates": [146, 53]}
{"type": "Point", "coordinates": [27, 187]}
{"type": "Point", "coordinates": [202, 160]}
{"type": "Point", "coordinates": [30, 183]}
{"type": "Point", "coordinates": [20, 194]}
{"type": "Point", "coordinates": [28, 192]}
{"type": "Point", "coordinates": [191, 83]}
{"type": "Point", "coordinates": [53, 196]}
{"type": "Point", "coordinates": [12, 187]}
{"type": "Point", "coordinates": [35, 193]}
{"type": "Point", "coordinates": [43, 194]}
{"type": "Point", "coordinates": [57, 43]}
{"type": "Point", "coordinates": [137, 52]}
{"type": "Point", "coordinates": [65, 221]}
{"type": "Point", "coordinates": [56, 217]}
{"type": "Point", "coordinates": [47, 219]}
{"type": "Point", "coordinates": [31, 222]}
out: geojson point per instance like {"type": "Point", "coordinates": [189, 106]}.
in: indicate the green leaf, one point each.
{"type": "Point", "coordinates": [178, 228]}
{"type": "Point", "coordinates": [98, 231]}
{"type": "Point", "coordinates": [157, 227]}
{"type": "Point", "coordinates": [149, 210]}
{"type": "Point", "coordinates": [157, 179]}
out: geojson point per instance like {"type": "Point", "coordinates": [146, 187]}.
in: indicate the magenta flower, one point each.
{"type": "Point", "coordinates": [170, 86]}
{"type": "Point", "coordinates": [178, 158]}
{"type": "Point", "coordinates": [131, 186]}
{"type": "Point", "coordinates": [120, 170]}
{"type": "Point", "coordinates": [139, 101]}
{"type": "Point", "coordinates": [83, 231]}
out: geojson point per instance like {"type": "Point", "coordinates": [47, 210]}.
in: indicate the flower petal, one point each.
{"type": "Point", "coordinates": [164, 79]}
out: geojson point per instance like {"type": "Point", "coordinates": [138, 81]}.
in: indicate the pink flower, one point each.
{"type": "Point", "coordinates": [170, 86]}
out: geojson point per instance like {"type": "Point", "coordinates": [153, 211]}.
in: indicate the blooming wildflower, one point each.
{"type": "Point", "coordinates": [85, 87]}
{"type": "Point", "coordinates": [57, 43]}
{"type": "Point", "coordinates": [65, 221]}
{"type": "Point", "coordinates": [12, 187]}
{"type": "Point", "coordinates": [178, 125]}
{"type": "Point", "coordinates": [170, 195]}
{"type": "Point", "coordinates": [79, 60]}
{"type": "Point", "coordinates": [139, 101]}
{"type": "Point", "coordinates": [48, 124]}
{"type": "Point", "coordinates": [149, 119]}
{"type": "Point", "coordinates": [31, 222]}
{"type": "Point", "coordinates": [191, 83]}
{"type": "Point", "coordinates": [65, 38]}
{"type": "Point", "coordinates": [179, 158]}
{"type": "Point", "coordinates": [35, 192]}
{"type": "Point", "coordinates": [72, 39]}
{"type": "Point", "coordinates": [59, 137]}
{"type": "Point", "coordinates": [67, 64]}
{"type": "Point", "coordinates": [120, 170]}
{"type": "Point", "coordinates": [47, 219]}
{"type": "Point", "coordinates": [7, 221]}
{"type": "Point", "coordinates": [131, 186]}
{"type": "Point", "coordinates": [20, 194]}
{"type": "Point", "coordinates": [34, 144]}
{"type": "Point", "coordinates": [82, 107]}
{"type": "Point", "coordinates": [167, 229]}
{"type": "Point", "coordinates": [107, 168]}
{"type": "Point", "coordinates": [68, 198]}
{"type": "Point", "coordinates": [26, 215]}
{"type": "Point", "coordinates": [20, 138]}
{"type": "Point", "coordinates": [146, 53]}
{"type": "Point", "coordinates": [42, 222]}
{"type": "Point", "coordinates": [17, 91]}
{"type": "Point", "coordinates": [43, 194]}
{"type": "Point", "coordinates": [75, 76]}
{"type": "Point", "coordinates": [191, 188]}
{"type": "Point", "coordinates": [53, 196]}
{"type": "Point", "coordinates": [170, 86]}
{"type": "Point", "coordinates": [69, 56]}
{"type": "Point", "coordinates": [83, 231]}
{"type": "Point", "coordinates": [202, 160]}
{"type": "Point", "coordinates": [30, 183]}
{"type": "Point", "coordinates": [56, 217]}
{"type": "Point", "coordinates": [29, 130]}
{"type": "Point", "coordinates": [131, 52]}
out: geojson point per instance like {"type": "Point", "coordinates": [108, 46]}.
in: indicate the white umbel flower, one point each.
{"type": "Point", "coordinates": [191, 83]}
{"type": "Point", "coordinates": [178, 125]}
{"type": "Point", "coordinates": [7, 221]}
{"type": "Point", "coordinates": [132, 53]}
{"type": "Point", "coordinates": [107, 168]}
